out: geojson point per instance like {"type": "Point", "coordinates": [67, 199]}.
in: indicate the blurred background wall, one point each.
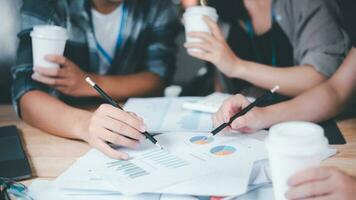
{"type": "Point", "coordinates": [9, 27]}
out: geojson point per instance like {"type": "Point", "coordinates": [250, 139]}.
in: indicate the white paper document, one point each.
{"type": "Point", "coordinates": [231, 179]}
{"type": "Point", "coordinates": [45, 190]}
{"type": "Point", "coordinates": [189, 164]}
{"type": "Point", "coordinates": [168, 114]}
{"type": "Point", "coordinates": [185, 157]}
{"type": "Point", "coordinates": [81, 178]}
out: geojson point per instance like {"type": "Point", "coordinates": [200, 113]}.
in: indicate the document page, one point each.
{"type": "Point", "coordinates": [184, 157]}
{"type": "Point", "coordinates": [168, 114]}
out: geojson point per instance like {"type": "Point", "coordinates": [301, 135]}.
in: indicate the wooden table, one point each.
{"type": "Point", "coordinates": [50, 155]}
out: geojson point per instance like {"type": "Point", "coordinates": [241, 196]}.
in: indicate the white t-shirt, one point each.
{"type": "Point", "coordinates": [106, 30]}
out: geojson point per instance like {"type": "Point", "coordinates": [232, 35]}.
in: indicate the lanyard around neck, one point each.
{"type": "Point", "coordinates": [122, 24]}
{"type": "Point", "coordinates": [251, 34]}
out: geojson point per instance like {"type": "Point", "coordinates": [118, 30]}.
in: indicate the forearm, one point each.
{"type": "Point", "coordinates": [293, 80]}
{"type": "Point", "coordinates": [122, 87]}
{"type": "Point", "coordinates": [315, 105]}
{"type": "Point", "coordinates": [319, 103]}
{"type": "Point", "coordinates": [322, 102]}
{"type": "Point", "coordinates": [53, 116]}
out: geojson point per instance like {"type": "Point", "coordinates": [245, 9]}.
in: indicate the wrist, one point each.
{"type": "Point", "coordinates": [267, 118]}
{"type": "Point", "coordinates": [81, 129]}
{"type": "Point", "coordinates": [239, 69]}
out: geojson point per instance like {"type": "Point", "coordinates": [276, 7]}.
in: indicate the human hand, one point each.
{"type": "Point", "coordinates": [321, 183]}
{"type": "Point", "coordinates": [214, 49]}
{"type": "Point", "coordinates": [189, 3]}
{"type": "Point", "coordinates": [112, 125]}
{"type": "Point", "coordinates": [250, 122]}
{"type": "Point", "coordinates": [68, 79]}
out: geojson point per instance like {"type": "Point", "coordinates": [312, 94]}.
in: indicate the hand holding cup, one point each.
{"type": "Point", "coordinates": [292, 147]}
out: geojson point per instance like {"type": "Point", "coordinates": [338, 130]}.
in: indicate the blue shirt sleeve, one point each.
{"type": "Point", "coordinates": [22, 72]}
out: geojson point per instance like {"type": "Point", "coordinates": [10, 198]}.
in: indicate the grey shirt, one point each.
{"type": "Point", "coordinates": [313, 28]}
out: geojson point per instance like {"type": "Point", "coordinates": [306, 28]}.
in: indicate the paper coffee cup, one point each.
{"type": "Point", "coordinates": [194, 22]}
{"type": "Point", "coordinates": [47, 40]}
{"type": "Point", "coordinates": [293, 146]}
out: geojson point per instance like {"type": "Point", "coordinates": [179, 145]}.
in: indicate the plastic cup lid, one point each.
{"type": "Point", "coordinates": [49, 32]}
{"type": "Point", "coordinates": [297, 138]}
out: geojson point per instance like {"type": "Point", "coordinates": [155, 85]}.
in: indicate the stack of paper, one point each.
{"type": "Point", "coordinates": [189, 164]}
{"type": "Point", "coordinates": [259, 186]}
{"type": "Point", "coordinates": [45, 190]}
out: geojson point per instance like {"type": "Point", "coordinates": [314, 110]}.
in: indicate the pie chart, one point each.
{"type": "Point", "coordinates": [223, 150]}
{"type": "Point", "coordinates": [201, 140]}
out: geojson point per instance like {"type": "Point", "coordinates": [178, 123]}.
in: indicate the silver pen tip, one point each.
{"type": "Point", "coordinates": [91, 82]}
{"type": "Point", "coordinates": [210, 135]}
{"type": "Point", "coordinates": [273, 90]}
{"type": "Point", "coordinates": [159, 146]}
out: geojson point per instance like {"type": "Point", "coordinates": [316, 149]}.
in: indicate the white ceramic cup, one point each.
{"type": "Point", "coordinates": [293, 146]}
{"type": "Point", "coordinates": [47, 40]}
{"type": "Point", "coordinates": [194, 22]}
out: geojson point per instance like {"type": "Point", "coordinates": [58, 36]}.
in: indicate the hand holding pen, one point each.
{"type": "Point", "coordinates": [109, 126]}
{"type": "Point", "coordinates": [116, 105]}
{"type": "Point", "coordinates": [236, 112]}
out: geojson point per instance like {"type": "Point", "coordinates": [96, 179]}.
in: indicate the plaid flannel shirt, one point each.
{"type": "Point", "coordinates": [148, 40]}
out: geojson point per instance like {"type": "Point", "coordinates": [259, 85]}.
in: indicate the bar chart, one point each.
{"type": "Point", "coordinates": [128, 168]}
{"type": "Point", "coordinates": [164, 159]}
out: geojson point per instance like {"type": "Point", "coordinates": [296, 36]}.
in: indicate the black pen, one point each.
{"type": "Point", "coordinates": [115, 104]}
{"type": "Point", "coordinates": [244, 111]}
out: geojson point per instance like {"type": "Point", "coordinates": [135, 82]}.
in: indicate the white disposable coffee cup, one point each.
{"type": "Point", "coordinates": [47, 40]}
{"type": "Point", "coordinates": [293, 146]}
{"type": "Point", "coordinates": [194, 22]}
